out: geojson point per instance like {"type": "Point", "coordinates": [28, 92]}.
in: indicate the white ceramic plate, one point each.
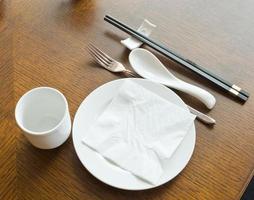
{"type": "Point", "coordinates": [88, 112]}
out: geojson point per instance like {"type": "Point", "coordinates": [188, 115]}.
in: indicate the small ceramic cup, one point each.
{"type": "Point", "coordinates": [43, 115]}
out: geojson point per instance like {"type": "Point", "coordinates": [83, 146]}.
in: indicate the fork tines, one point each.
{"type": "Point", "coordinates": [102, 58]}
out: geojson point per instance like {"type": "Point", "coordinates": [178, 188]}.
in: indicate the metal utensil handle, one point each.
{"type": "Point", "coordinates": [201, 116]}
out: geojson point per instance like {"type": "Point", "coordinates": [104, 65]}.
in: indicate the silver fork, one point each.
{"type": "Point", "coordinates": [107, 62]}
{"type": "Point", "coordinates": [114, 66]}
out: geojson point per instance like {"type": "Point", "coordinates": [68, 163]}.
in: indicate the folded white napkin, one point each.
{"type": "Point", "coordinates": [138, 129]}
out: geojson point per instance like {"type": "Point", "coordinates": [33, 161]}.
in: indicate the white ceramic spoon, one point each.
{"type": "Point", "coordinates": [149, 66]}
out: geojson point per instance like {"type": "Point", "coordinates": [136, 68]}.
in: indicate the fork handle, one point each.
{"type": "Point", "coordinates": [129, 72]}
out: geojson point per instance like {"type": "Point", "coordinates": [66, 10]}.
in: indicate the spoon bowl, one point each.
{"type": "Point", "coordinates": [149, 66]}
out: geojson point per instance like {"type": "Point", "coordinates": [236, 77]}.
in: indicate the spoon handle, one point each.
{"type": "Point", "coordinates": [207, 98]}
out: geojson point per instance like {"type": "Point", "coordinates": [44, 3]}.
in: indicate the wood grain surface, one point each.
{"type": "Point", "coordinates": [43, 44]}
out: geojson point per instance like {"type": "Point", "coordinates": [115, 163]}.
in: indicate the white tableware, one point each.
{"type": "Point", "coordinates": [43, 115]}
{"type": "Point", "coordinates": [131, 129]}
{"type": "Point", "coordinates": [145, 29]}
{"type": "Point", "coordinates": [149, 66]}
{"type": "Point", "coordinates": [93, 106]}
{"type": "Point", "coordinates": [112, 65]}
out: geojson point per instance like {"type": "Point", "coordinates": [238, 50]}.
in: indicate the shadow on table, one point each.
{"type": "Point", "coordinates": [2, 9]}
{"type": "Point", "coordinates": [124, 55]}
{"type": "Point", "coordinates": [75, 14]}
{"type": "Point", "coordinates": [33, 161]}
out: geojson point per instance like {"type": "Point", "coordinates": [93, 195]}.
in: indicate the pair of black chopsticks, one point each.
{"type": "Point", "coordinates": [229, 87]}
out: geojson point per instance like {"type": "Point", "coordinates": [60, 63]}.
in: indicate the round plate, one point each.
{"type": "Point", "coordinates": [88, 112]}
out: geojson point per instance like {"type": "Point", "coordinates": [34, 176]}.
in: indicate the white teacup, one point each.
{"type": "Point", "coordinates": [43, 114]}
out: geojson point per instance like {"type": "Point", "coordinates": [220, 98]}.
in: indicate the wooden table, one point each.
{"type": "Point", "coordinates": [43, 44]}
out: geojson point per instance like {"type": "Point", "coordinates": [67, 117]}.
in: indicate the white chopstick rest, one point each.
{"type": "Point", "coordinates": [145, 28]}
